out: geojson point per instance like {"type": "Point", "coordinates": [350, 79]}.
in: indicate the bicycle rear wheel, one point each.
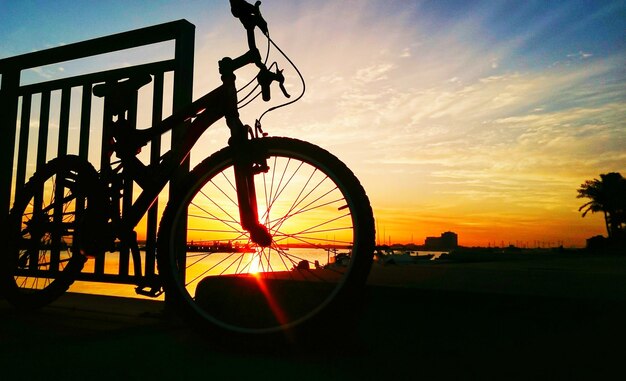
{"type": "Point", "coordinates": [322, 245]}
{"type": "Point", "coordinates": [43, 255]}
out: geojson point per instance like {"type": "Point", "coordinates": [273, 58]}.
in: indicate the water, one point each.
{"type": "Point", "coordinates": [291, 257]}
{"type": "Point", "coordinates": [295, 254]}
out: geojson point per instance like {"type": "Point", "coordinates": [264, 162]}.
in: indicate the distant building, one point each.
{"type": "Point", "coordinates": [447, 241]}
{"type": "Point", "coordinates": [597, 243]}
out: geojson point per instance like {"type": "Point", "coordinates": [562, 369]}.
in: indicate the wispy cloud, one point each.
{"type": "Point", "coordinates": [450, 119]}
{"type": "Point", "coordinates": [477, 119]}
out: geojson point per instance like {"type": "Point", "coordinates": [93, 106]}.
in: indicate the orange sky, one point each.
{"type": "Point", "coordinates": [455, 115]}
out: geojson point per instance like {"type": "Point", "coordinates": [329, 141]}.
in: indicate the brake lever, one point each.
{"type": "Point", "coordinates": [265, 79]}
{"type": "Point", "coordinates": [280, 78]}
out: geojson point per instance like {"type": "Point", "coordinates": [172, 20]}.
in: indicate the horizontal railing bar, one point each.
{"type": "Point", "coordinates": [102, 76]}
{"type": "Point", "coordinates": [101, 45]}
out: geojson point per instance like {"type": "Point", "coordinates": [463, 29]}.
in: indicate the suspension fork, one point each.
{"type": "Point", "coordinates": [246, 166]}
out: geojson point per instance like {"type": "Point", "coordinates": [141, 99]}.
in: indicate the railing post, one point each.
{"type": "Point", "coordinates": [8, 119]}
{"type": "Point", "coordinates": [183, 79]}
{"type": "Point", "coordinates": [183, 95]}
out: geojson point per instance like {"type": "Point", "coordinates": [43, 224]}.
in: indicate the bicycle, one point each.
{"type": "Point", "coordinates": [230, 240]}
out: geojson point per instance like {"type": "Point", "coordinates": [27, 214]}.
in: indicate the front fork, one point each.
{"type": "Point", "coordinates": [247, 165]}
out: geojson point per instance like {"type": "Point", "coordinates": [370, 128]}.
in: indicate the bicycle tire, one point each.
{"type": "Point", "coordinates": [282, 292]}
{"type": "Point", "coordinates": [43, 256]}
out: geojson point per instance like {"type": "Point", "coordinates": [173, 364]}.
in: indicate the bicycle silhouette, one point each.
{"type": "Point", "coordinates": [245, 241]}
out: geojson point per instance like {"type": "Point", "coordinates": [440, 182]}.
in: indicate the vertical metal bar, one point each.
{"type": "Point", "coordinates": [155, 154]}
{"type": "Point", "coordinates": [8, 118]}
{"type": "Point", "coordinates": [83, 139]}
{"type": "Point", "coordinates": [44, 119]}
{"type": "Point", "coordinates": [57, 222]}
{"type": "Point", "coordinates": [127, 200]}
{"type": "Point", "coordinates": [105, 167]}
{"type": "Point", "coordinates": [107, 119]}
{"type": "Point", "coordinates": [183, 94]}
{"type": "Point", "coordinates": [64, 125]}
{"type": "Point", "coordinates": [42, 152]}
{"type": "Point", "coordinates": [33, 257]}
{"type": "Point", "coordinates": [64, 121]}
{"type": "Point", "coordinates": [22, 153]}
{"type": "Point", "coordinates": [183, 81]}
{"type": "Point", "coordinates": [85, 122]}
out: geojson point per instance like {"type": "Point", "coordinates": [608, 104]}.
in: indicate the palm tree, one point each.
{"type": "Point", "coordinates": [608, 196]}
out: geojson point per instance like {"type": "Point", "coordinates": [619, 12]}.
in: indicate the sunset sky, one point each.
{"type": "Point", "coordinates": [479, 117]}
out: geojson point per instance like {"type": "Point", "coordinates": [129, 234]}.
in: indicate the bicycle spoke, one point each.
{"type": "Point", "coordinates": [206, 271]}
{"type": "Point", "coordinates": [275, 225]}
{"type": "Point", "coordinates": [231, 223]}
{"type": "Point", "coordinates": [233, 202]}
{"type": "Point", "coordinates": [215, 204]}
{"type": "Point", "coordinates": [310, 241]}
{"type": "Point", "coordinates": [307, 208]}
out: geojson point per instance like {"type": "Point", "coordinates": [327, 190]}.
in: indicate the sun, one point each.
{"type": "Point", "coordinates": [255, 263]}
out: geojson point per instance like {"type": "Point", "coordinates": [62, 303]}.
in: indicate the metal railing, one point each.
{"type": "Point", "coordinates": [23, 137]}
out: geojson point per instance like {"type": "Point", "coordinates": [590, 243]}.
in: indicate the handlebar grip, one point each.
{"type": "Point", "coordinates": [266, 92]}
{"type": "Point", "coordinates": [265, 79]}
{"type": "Point", "coordinates": [240, 8]}
{"type": "Point", "coordinates": [249, 15]}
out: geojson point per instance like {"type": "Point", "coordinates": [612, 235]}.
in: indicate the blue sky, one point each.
{"type": "Point", "coordinates": [549, 29]}
{"type": "Point", "coordinates": [481, 117]}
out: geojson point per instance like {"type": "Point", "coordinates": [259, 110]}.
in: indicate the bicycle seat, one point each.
{"type": "Point", "coordinates": [124, 89]}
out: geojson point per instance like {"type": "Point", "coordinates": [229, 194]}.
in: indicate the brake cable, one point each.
{"type": "Point", "coordinates": [256, 87]}
{"type": "Point", "coordinates": [245, 98]}
{"type": "Point", "coordinates": [267, 55]}
{"type": "Point", "coordinates": [258, 121]}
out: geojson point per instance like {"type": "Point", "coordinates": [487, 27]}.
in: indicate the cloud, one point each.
{"type": "Point", "coordinates": [42, 73]}
{"type": "Point", "coordinates": [448, 123]}
{"type": "Point", "coordinates": [374, 73]}
{"type": "Point", "coordinates": [580, 55]}
{"type": "Point", "coordinates": [458, 123]}
{"type": "Point", "coordinates": [452, 109]}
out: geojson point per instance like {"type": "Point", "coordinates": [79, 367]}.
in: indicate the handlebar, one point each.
{"type": "Point", "coordinates": [251, 18]}
{"type": "Point", "coordinates": [249, 15]}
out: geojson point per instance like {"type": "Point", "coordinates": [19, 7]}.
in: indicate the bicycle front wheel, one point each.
{"type": "Point", "coordinates": [322, 245]}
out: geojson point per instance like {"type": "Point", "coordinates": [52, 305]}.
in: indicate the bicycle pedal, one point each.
{"type": "Point", "coordinates": [152, 292]}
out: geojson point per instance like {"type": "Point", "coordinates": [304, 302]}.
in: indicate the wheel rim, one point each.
{"type": "Point", "coordinates": [239, 286]}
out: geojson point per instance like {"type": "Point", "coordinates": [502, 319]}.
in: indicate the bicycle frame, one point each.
{"type": "Point", "coordinates": [204, 112]}
{"type": "Point", "coordinates": [194, 119]}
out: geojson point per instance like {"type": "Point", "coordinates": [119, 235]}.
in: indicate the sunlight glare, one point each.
{"type": "Point", "coordinates": [255, 263]}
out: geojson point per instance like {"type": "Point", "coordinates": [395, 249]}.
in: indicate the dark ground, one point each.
{"type": "Point", "coordinates": [440, 324]}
